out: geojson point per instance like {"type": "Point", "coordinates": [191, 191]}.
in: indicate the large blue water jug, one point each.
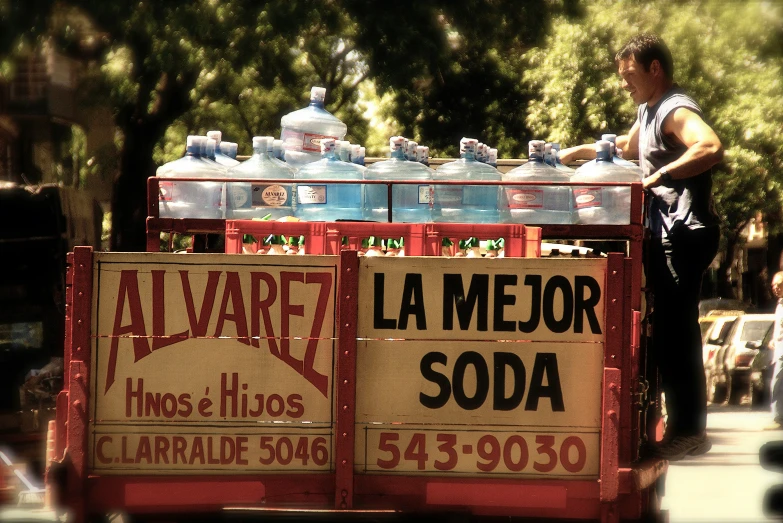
{"type": "Point", "coordinates": [303, 130]}
{"type": "Point", "coordinates": [246, 201]}
{"type": "Point", "coordinates": [602, 205]}
{"type": "Point", "coordinates": [410, 203]}
{"type": "Point", "coordinates": [191, 199]}
{"type": "Point", "coordinates": [328, 202]}
{"type": "Point", "coordinates": [538, 204]}
{"type": "Point", "coordinates": [467, 203]}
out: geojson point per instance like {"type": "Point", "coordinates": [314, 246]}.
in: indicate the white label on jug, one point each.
{"type": "Point", "coordinates": [307, 142]}
{"type": "Point", "coordinates": [525, 198]}
{"type": "Point", "coordinates": [312, 142]}
{"type": "Point", "coordinates": [271, 195]}
{"type": "Point", "coordinates": [448, 195]}
{"type": "Point", "coordinates": [587, 197]}
{"type": "Point", "coordinates": [425, 194]}
{"type": "Point", "coordinates": [311, 194]}
{"type": "Point", "coordinates": [240, 195]}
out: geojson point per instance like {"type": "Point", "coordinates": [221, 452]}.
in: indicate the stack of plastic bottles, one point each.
{"type": "Point", "coordinates": [538, 204]}
{"type": "Point", "coordinates": [311, 147]}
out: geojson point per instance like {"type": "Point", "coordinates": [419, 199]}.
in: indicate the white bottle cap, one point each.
{"type": "Point", "coordinates": [211, 144]}
{"type": "Point", "coordinates": [467, 142]}
{"type": "Point", "coordinates": [547, 148]}
{"type": "Point", "coordinates": [609, 137]}
{"type": "Point", "coordinates": [362, 151]}
{"type": "Point", "coordinates": [395, 143]}
{"type": "Point", "coordinates": [317, 94]}
{"type": "Point", "coordinates": [412, 149]}
{"type": "Point", "coordinates": [259, 142]}
{"type": "Point", "coordinates": [233, 150]}
{"type": "Point", "coordinates": [603, 146]}
{"type": "Point", "coordinates": [536, 148]}
{"type": "Point", "coordinates": [191, 141]}
{"type": "Point", "coordinates": [426, 152]}
{"type": "Point", "coordinates": [215, 135]}
{"type": "Point", "coordinates": [355, 147]}
{"type": "Point", "coordinates": [277, 144]}
{"type": "Point", "coordinates": [493, 155]}
{"type": "Point", "coordinates": [328, 145]}
{"type": "Point", "coordinates": [270, 143]}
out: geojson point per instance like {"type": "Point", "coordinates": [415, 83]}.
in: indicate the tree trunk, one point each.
{"type": "Point", "coordinates": [129, 198]}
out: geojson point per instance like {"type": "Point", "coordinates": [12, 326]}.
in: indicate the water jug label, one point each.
{"type": "Point", "coordinates": [425, 194]}
{"type": "Point", "coordinates": [449, 194]}
{"type": "Point", "coordinates": [165, 191]}
{"type": "Point", "coordinates": [271, 195]}
{"type": "Point", "coordinates": [525, 198]}
{"type": "Point", "coordinates": [240, 196]}
{"type": "Point", "coordinates": [292, 140]}
{"type": "Point", "coordinates": [307, 142]}
{"type": "Point", "coordinates": [311, 194]}
{"type": "Point", "coordinates": [585, 197]}
{"type": "Point", "coordinates": [312, 142]}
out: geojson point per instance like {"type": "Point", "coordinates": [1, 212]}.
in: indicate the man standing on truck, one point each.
{"type": "Point", "coordinates": [676, 151]}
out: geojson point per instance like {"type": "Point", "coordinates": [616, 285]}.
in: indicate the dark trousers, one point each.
{"type": "Point", "coordinates": [675, 270]}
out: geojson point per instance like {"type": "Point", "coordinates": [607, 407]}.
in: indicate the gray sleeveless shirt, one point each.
{"type": "Point", "coordinates": [688, 200]}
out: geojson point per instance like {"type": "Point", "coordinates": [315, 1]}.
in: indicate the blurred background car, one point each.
{"type": "Point", "coordinates": [714, 338]}
{"type": "Point", "coordinates": [729, 369]}
{"type": "Point", "coordinates": [761, 372]}
{"type": "Point", "coordinates": [720, 304]}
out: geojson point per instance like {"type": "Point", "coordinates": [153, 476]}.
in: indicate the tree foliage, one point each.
{"type": "Point", "coordinates": [502, 71]}
{"type": "Point", "coordinates": [727, 56]}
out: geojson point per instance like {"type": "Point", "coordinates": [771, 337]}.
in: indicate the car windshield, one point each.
{"type": "Point", "coordinates": [723, 330]}
{"type": "Point", "coordinates": [705, 326]}
{"type": "Point", "coordinates": [755, 330]}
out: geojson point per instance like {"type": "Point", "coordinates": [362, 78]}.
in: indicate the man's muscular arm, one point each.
{"type": "Point", "coordinates": [629, 143]}
{"type": "Point", "coordinates": [704, 147]}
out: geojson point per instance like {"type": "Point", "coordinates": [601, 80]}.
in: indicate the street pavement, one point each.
{"type": "Point", "coordinates": [727, 484]}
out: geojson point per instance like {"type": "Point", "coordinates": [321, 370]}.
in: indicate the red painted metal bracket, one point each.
{"type": "Point", "coordinates": [615, 302]}
{"type": "Point", "coordinates": [346, 379]}
{"type": "Point", "coordinates": [78, 371]}
{"type": "Point", "coordinates": [610, 434]}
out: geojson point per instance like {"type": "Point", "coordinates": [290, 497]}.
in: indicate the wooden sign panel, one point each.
{"type": "Point", "coordinates": [212, 363]}
{"type": "Point", "coordinates": [438, 393]}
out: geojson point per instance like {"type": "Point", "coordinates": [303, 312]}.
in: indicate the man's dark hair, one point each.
{"type": "Point", "coordinates": [645, 48]}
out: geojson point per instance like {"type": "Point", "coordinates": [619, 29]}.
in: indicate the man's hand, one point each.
{"type": "Point", "coordinates": [654, 180]}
